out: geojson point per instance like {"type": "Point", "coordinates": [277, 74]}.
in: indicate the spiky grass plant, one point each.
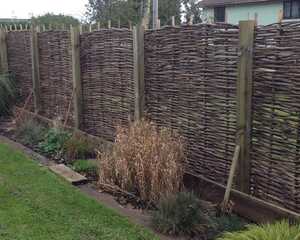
{"type": "Point", "coordinates": [144, 159]}
{"type": "Point", "coordinates": [281, 231]}
{"type": "Point", "coordinates": [180, 214]}
{"type": "Point", "coordinates": [7, 93]}
{"type": "Point", "coordinates": [30, 132]}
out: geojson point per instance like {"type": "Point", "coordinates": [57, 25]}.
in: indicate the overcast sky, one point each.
{"type": "Point", "coordinates": [27, 8]}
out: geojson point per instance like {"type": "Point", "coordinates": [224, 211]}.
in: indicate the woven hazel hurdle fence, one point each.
{"type": "Point", "coordinates": [106, 58]}
{"type": "Point", "coordinates": [103, 89]}
{"type": "Point", "coordinates": [190, 79]}
{"type": "Point", "coordinates": [275, 155]}
{"type": "Point", "coordinates": [19, 61]}
{"type": "Point", "coordinates": [217, 85]}
{"type": "Point", "coordinates": [55, 75]}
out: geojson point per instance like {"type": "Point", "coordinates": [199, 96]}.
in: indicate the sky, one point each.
{"type": "Point", "coordinates": [28, 8]}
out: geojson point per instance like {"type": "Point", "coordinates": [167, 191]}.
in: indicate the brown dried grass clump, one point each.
{"type": "Point", "coordinates": [145, 160]}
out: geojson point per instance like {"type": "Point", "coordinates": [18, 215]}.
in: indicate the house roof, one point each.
{"type": "Point", "coordinates": [210, 3]}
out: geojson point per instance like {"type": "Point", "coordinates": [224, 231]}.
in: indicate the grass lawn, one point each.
{"type": "Point", "coordinates": [37, 205]}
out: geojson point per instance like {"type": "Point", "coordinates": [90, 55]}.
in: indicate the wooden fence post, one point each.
{"type": "Point", "coordinates": [138, 51]}
{"type": "Point", "coordinates": [77, 88]}
{"type": "Point", "coordinates": [244, 98]}
{"type": "Point", "coordinates": [35, 69]}
{"type": "Point", "coordinates": [3, 52]}
{"type": "Point", "coordinates": [155, 14]}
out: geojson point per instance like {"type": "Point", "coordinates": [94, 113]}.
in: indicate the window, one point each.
{"type": "Point", "coordinates": [291, 9]}
{"type": "Point", "coordinates": [219, 13]}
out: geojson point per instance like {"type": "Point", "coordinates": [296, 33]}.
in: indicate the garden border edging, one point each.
{"type": "Point", "coordinates": [134, 216]}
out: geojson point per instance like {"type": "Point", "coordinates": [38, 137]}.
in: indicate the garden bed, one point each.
{"type": "Point", "coordinates": [88, 167]}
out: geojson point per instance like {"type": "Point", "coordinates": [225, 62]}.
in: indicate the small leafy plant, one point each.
{"type": "Point", "coordinates": [86, 167]}
{"type": "Point", "coordinates": [30, 132]}
{"type": "Point", "coordinates": [180, 214]}
{"type": "Point", "coordinates": [281, 231]}
{"type": "Point", "coordinates": [54, 141]}
{"type": "Point", "coordinates": [77, 147]}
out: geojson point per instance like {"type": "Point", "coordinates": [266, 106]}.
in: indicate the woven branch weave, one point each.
{"type": "Point", "coordinates": [19, 63]}
{"type": "Point", "coordinates": [190, 86]}
{"type": "Point", "coordinates": [190, 78]}
{"type": "Point", "coordinates": [107, 80]}
{"type": "Point", "coordinates": [276, 115]}
{"type": "Point", "coordinates": [56, 84]}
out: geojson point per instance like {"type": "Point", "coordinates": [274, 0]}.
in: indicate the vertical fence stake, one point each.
{"type": "Point", "coordinates": [3, 52]}
{"type": "Point", "coordinates": [173, 21]}
{"type": "Point", "coordinates": [138, 51]}
{"type": "Point", "coordinates": [155, 14]}
{"type": "Point", "coordinates": [244, 98]}
{"type": "Point", "coordinates": [75, 39]}
{"type": "Point", "coordinates": [35, 69]}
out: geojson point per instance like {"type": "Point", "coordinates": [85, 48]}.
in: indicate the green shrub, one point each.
{"type": "Point", "coordinates": [7, 93]}
{"type": "Point", "coordinates": [85, 166]}
{"type": "Point", "coordinates": [54, 141]}
{"type": "Point", "coordinates": [77, 147]}
{"type": "Point", "coordinates": [30, 132]}
{"type": "Point", "coordinates": [180, 214]}
{"type": "Point", "coordinates": [281, 231]}
{"type": "Point", "coordinates": [226, 223]}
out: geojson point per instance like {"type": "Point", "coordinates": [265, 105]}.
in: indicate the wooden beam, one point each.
{"type": "Point", "coordinates": [3, 52]}
{"type": "Point", "coordinates": [244, 98]}
{"type": "Point", "coordinates": [68, 174]}
{"type": "Point", "coordinates": [280, 15]}
{"type": "Point", "coordinates": [231, 177]}
{"type": "Point", "coordinates": [35, 69]}
{"type": "Point", "coordinates": [191, 21]}
{"type": "Point", "coordinates": [76, 73]}
{"type": "Point", "coordinates": [138, 51]}
{"type": "Point", "coordinates": [247, 206]}
{"type": "Point", "coordinates": [158, 24]}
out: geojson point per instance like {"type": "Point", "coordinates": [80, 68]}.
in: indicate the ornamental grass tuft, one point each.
{"type": "Point", "coordinates": [145, 160]}
{"type": "Point", "coordinates": [281, 231]}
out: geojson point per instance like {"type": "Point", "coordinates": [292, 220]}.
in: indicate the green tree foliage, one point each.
{"type": "Point", "coordinates": [117, 11]}
{"type": "Point", "coordinates": [125, 11]}
{"type": "Point", "coordinates": [55, 20]}
{"type": "Point", "coordinates": [167, 9]}
{"type": "Point", "coordinates": [192, 8]}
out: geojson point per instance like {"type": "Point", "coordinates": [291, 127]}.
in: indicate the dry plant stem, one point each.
{"type": "Point", "coordinates": [145, 160]}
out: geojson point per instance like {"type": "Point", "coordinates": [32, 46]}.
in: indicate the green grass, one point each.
{"type": "Point", "coordinates": [37, 205]}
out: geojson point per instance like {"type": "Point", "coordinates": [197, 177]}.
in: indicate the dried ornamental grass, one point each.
{"type": "Point", "coordinates": [145, 160]}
